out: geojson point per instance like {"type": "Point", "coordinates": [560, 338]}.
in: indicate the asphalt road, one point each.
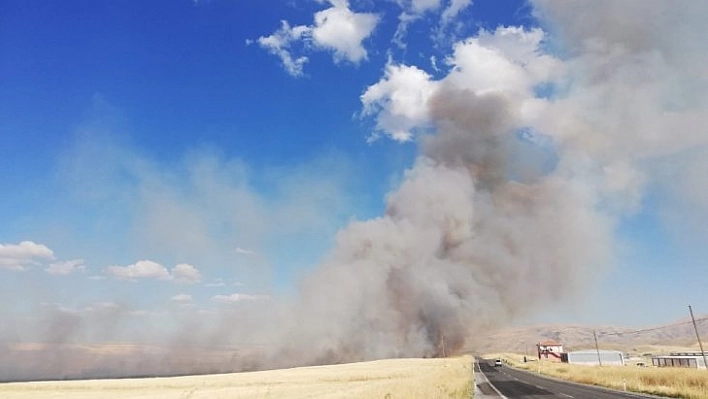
{"type": "Point", "coordinates": [512, 383]}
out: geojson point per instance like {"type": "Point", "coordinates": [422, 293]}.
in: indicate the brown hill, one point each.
{"type": "Point", "coordinates": [676, 336]}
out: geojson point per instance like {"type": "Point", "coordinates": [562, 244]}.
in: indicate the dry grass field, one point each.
{"type": "Point", "coordinates": [670, 382]}
{"type": "Point", "coordinates": [389, 379]}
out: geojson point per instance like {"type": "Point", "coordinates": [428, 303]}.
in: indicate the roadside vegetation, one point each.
{"type": "Point", "coordinates": [386, 379]}
{"type": "Point", "coordinates": [670, 382]}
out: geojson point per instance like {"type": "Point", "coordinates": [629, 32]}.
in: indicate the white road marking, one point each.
{"type": "Point", "coordinates": [566, 395]}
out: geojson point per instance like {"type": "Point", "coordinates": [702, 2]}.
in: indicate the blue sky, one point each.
{"type": "Point", "coordinates": [161, 157]}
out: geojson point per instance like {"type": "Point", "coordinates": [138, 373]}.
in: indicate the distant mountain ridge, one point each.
{"type": "Point", "coordinates": [678, 335]}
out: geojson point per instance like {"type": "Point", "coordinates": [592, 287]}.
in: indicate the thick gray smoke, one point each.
{"type": "Point", "coordinates": [461, 247]}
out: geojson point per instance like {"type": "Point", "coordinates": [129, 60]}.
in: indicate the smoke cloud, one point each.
{"type": "Point", "coordinates": [462, 246]}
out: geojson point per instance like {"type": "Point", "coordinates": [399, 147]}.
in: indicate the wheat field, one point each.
{"type": "Point", "coordinates": [389, 379]}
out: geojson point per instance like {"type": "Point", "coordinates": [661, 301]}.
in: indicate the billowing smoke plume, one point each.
{"type": "Point", "coordinates": [463, 245]}
{"type": "Point", "coordinates": [526, 161]}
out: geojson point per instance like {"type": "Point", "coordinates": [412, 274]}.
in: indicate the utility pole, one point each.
{"type": "Point", "coordinates": [442, 337]}
{"type": "Point", "coordinates": [698, 337]}
{"type": "Point", "coordinates": [597, 348]}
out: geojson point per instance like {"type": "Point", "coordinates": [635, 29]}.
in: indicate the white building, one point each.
{"type": "Point", "coordinates": [590, 358]}
{"type": "Point", "coordinates": [682, 359]}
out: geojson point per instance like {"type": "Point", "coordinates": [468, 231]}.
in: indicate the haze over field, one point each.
{"type": "Point", "coordinates": [197, 183]}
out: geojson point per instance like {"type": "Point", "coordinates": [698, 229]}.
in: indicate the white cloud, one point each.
{"type": "Point", "coordinates": [182, 298]}
{"type": "Point", "coordinates": [337, 29]}
{"type": "Point", "coordinates": [279, 44]}
{"type": "Point", "coordinates": [343, 31]}
{"type": "Point", "coordinates": [414, 10]}
{"type": "Point", "coordinates": [246, 252]}
{"type": "Point", "coordinates": [508, 61]}
{"type": "Point", "coordinates": [399, 37]}
{"type": "Point", "coordinates": [147, 269]}
{"type": "Point", "coordinates": [26, 253]}
{"type": "Point", "coordinates": [102, 307]}
{"type": "Point", "coordinates": [434, 63]}
{"type": "Point", "coordinates": [94, 308]}
{"type": "Point", "coordinates": [233, 298]}
{"type": "Point", "coordinates": [139, 270]}
{"type": "Point", "coordinates": [399, 101]}
{"type": "Point", "coordinates": [417, 7]}
{"type": "Point", "coordinates": [186, 273]}
{"type": "Point", "coordinates": [216, 283]}
{"type": "Point", "coordinates": [454, 9]}
{"type": "Point", "coordinates": [66, 267]}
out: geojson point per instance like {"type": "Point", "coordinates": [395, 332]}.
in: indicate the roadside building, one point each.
{"type": "Point", "coordinates": [680, 359]}
{"type": "Point", "coordinates": [591, 358]}
{"type": "Point", "coordinates": [550, 350]}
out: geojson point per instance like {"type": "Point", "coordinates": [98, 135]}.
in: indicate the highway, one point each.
{"type": "Point", "coordinates": [507, 382]}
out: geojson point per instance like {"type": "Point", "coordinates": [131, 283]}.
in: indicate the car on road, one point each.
{"type": "Point", "coordinates": [498, 363]}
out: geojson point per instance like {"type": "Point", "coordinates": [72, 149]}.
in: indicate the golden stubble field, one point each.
{"type": "Point", "coordinates": [392, 378]}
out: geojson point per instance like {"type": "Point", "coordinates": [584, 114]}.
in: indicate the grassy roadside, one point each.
{"type": "Point", "coordinates": [386, 379]}
{"type": "Point", "coordinates": [670, 382]}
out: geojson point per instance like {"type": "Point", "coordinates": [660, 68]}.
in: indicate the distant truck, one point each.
{"type": "Point", "coordinates": [498, 363]}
